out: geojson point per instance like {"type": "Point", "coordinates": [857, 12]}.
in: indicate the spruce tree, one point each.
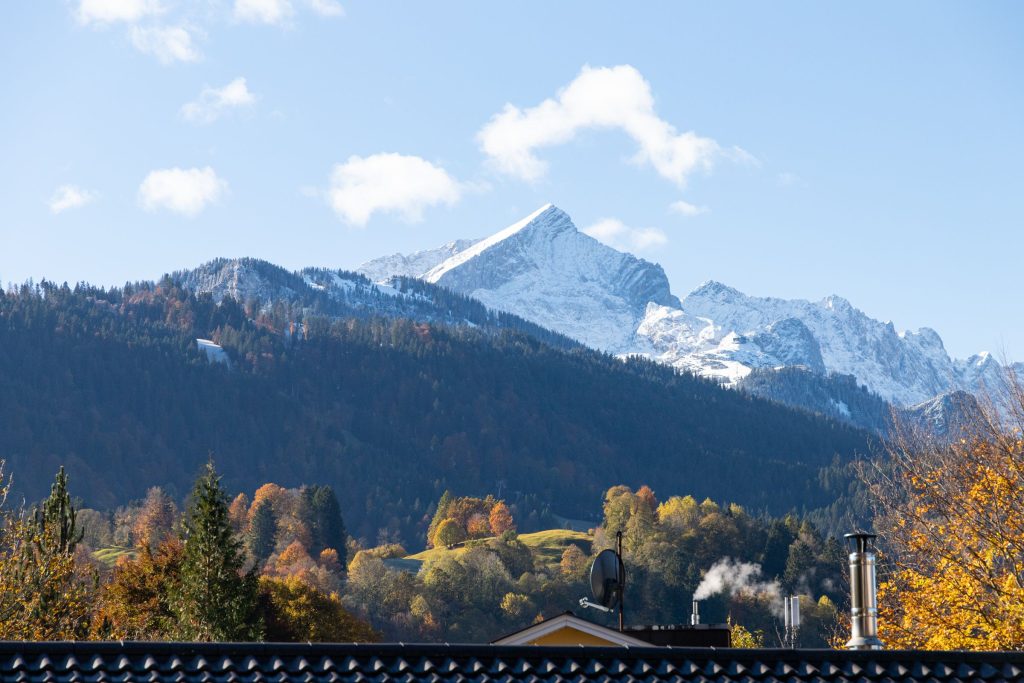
{"type": "Point", "coordinates": [320, 511]}
{"type": "Point", "coordinates": [262, 531]}
{"type": "Point", "coordinates": [216, 602]}
{"type": "Point", "coordinates": [440, 514]}
{"type": "Point", "coordinates": [330, 527]}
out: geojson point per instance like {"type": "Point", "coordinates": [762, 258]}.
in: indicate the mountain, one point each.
{"type": "Point", "coordinates": [949, 415]}
{"type": "Point", "coordinates": [828, 335]}
{"type": "Point", "coordinates": [265, 287]}
{"type": "Point", "coordinates": [546, 271]}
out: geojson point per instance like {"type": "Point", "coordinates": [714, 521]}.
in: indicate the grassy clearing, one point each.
{"type": "Point", "coordinates": [547, 546]}
{"type": "Point", "coordinates": [110, 555]}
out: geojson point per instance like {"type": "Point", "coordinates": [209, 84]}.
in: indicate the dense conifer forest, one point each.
{"type": "Point", "coordinates": [388, 412]}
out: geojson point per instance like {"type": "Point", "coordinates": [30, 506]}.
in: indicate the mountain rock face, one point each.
{"type": "Point", "coordinates": [832, 336]}
{"type": "Point", "coordinates": [546, 271]}
{"type": "Point", "coordinates": [951, 415]}
{"type": "Point", "coordinates": [543, 269]}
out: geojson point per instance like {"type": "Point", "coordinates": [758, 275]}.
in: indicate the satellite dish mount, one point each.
{"type": "Point", "coordinates": [608, 581]}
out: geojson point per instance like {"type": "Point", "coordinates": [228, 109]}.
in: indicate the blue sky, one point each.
{"type": "Point", "coordinates": [872, 151]}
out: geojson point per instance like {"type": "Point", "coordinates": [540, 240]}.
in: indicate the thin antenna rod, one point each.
{"type": "Point", "coordinates": [622, 580]}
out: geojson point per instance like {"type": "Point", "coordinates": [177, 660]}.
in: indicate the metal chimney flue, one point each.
{"type": "Point", "coordinates": [863, 593]}
{"type": "Point", "coordinates": [695, 616]}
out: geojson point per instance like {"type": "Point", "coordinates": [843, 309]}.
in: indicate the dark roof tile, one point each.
{"type": "Point", "coordinates": [277, 663]}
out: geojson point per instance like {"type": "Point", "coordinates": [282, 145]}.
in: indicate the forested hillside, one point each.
{"type": "Point", "coordinates": [840, 397]}
{"type": "Point", "coordinates": [390, 413]}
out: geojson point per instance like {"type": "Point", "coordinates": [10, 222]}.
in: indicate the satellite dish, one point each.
{"type": "Point", "coordinates": [607, 578]}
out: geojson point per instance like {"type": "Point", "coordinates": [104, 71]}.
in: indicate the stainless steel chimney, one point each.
{"type": "Point", "coordinates": [695, 616]}
{"type": "Point", "coordinates": [863, 593]}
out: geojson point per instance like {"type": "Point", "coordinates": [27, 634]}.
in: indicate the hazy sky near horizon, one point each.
{"type": "Point", "coordinates": [871, 150]}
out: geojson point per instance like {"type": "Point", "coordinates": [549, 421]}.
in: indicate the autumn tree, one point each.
{"type": "Point", "coordinates": [573, 564]}
{"type": "Point", "coordinates": [448, 533]}
{"type": "Point", "coordinates": [478, 526]}
{"type": "Point", "coordinates": [155, 520]}
{"type": "Point", "coordinates": [238, 513]}
{"type": "Point", "coordinates": [952, 516]}
{"type": "Point", "coordinates": [295, 612]}
{"type": "Point", "coordinates": [501, 519]}
{"type": "Point", "coordinates": [215, 600]}
{"type": "Point", "coordinates": [138, 601]}
{"type": "Point", "coordinates": [41, 596]}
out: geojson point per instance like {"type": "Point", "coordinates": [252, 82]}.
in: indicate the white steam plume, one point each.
{"type": "Point", "coordinates": [731, 576]}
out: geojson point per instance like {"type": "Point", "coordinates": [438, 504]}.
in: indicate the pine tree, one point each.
{"type": "Point", "coordinates": [216, 602]}
{"type": "Point", "coordinates": [263, 531]}
{"type": "Point", "coordinates": [55, 519]}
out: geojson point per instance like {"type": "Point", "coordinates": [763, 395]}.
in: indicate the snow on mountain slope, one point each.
{"type": "Point", "coordinates": [904, 368]}
{"type": "Point", "coordinates": [543, 269]}
{"type": "Point", "coordinates": [414, 265]}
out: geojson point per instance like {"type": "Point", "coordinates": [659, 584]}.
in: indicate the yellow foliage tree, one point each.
{"type": "Point", "coordinates": [40, 596]}
{"type": "Point", "coordinates": [741, 637]}
{"type": "Point", "coordinates": [448, 532]}
{"type": "Point", "coordinates": [238, 513]}
{"type": "Point", "coordinates": [294, 611]}
{"type": "Point", "coordinates": [953, 517]}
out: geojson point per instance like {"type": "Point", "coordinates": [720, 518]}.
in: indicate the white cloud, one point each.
{"type": "Point", "coordinates": [167, 43]}
{"type": "Point", "coordinates": [183, 190]}
{"type": "Point", "coordinates": [327, 8]}
{"type": "Point", "coordinates": [213, 103]}
{"type": "Point", "coordinates": [70, 197]}
{"type": "Point", "coordinates": [110, 11]}
{"type": "Point", "coordinates": [598, 98]}
{"type": "Point", "coordinates": [687, 209]}
{"type": "Point", "coordinates": [264, 11]}
{"type": "Point", "coordinates": [389, 182]}
{"type": "Point", "coordinates": [618, 235]}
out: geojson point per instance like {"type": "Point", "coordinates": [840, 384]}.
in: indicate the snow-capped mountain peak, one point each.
{"type": "Point", "coordinates": [545, 270]}
{"type": "Point", "coordinates": [548, 216]}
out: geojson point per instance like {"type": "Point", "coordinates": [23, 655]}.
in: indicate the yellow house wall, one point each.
{"type": "Point", "coordinates": [570, 636]}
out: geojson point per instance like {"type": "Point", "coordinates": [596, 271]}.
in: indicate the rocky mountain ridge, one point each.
{"type": "Point", "coordinates": [546, 271]}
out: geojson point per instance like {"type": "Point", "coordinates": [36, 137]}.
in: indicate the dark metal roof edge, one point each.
{"type": "Point", "coordinates": [455, 650]}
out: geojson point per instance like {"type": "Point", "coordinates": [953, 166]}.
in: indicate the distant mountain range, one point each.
{"type": "Point", "coordinates": [546, 271]}
{"type": "Point", "coordinates": [544, 277]}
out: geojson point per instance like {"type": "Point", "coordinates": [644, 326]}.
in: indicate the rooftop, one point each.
{"type": "Point", "coordinates": [87, 662]}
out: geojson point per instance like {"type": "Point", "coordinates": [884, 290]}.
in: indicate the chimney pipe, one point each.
{"type": "Point", "coordinates": [863, 594]}
{"type": "Point", "coordinates": [695, 617]}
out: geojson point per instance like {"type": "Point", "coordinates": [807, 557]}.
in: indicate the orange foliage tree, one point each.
{"type": "Point", "coordinates": [501, 519]}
